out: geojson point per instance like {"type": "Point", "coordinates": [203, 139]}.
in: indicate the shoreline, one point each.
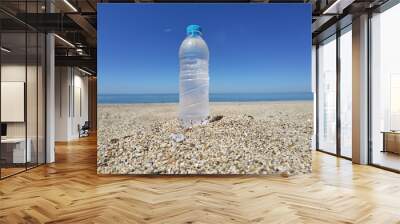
{"type": "Point", "coordinates": [213, 103]}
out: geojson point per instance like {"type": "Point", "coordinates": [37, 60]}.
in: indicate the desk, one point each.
{"type": "Point", "coordinates": [13, 150]}
{"type": "Point", "coordinates": [391, 141]}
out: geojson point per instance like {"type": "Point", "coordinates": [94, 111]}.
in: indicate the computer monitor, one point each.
{"type": "Point", "coordinates": [3, 129]}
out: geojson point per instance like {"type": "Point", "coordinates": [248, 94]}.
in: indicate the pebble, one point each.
{"type": "Point", "coordinates": [232, 144]}
{"type": "Point", "coordinates": [177, 137]}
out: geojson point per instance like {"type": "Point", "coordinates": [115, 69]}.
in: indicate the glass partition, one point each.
{"type": "Point", "coordinates": [13, 94]}
{"type": "Point", "coordinates": [346, 92]}
{"type": "Point", "coordinates": [327, 95]}
{"type": "Point", "coordinates": [31, 97]}
{"type": "Point", "coordinates": [35, 53]}
{"type": "Point", "coordinates": [23, 90]}
{"type": "Point", "coordinates": [385, 89]}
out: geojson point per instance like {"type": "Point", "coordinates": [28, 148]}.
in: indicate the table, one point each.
{"type": "Point", "coordinates": [391, 141]}
{"type": "Point", "coordinates": [13, 150]}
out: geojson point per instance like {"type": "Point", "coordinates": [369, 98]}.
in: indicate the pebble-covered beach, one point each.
{"type": "Point", "coordinates": [241, 138]}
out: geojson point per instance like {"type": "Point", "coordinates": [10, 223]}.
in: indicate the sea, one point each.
{"type": "Point", "coordinates": [213, 97]}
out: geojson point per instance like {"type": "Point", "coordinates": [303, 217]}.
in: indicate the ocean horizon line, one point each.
{"type": "Point", "coordinates": [239, 93]}
{"type": "Point", "coordinates": [213, 97]}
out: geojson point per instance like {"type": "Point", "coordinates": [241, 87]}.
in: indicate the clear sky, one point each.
{"type": "Point", "coordinates": [254, 48]}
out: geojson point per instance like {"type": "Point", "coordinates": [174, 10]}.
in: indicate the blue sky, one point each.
{"type": "Point", "coordinates": [254, 48]}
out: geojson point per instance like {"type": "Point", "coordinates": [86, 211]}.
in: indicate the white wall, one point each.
{"type": "Point", "coordinates": [33, 126]}
{"type": "Point", "coordinates": [13, 101]}
{"type": "Point", "coordinates": [79, 117]}
{"type": "Point", "coordinates": [14, 72]}
{"type": "Point", "coordinates": [62, 82]}
{"type": "Point", "coordinates": [17, 72]}
{"type": "Point", "coordinates": [70, 83]}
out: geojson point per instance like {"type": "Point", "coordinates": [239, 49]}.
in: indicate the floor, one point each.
{"type": "Point", "coordinates": [5, 172]}
{"type": "Point", "coordinates": [387, 159]}
{"type": "Point", "coordinates": [70, 191]}
{"type": "Point", "coordinates": [10, 171]}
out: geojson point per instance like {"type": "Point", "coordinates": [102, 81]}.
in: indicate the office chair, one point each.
{"type": "Point", "coordinates": [84, 130]}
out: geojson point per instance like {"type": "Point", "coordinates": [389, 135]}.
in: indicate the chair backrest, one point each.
{"type": "Point", "coordinates": [86, 125]}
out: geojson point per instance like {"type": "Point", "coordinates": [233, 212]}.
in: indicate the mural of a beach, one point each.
{"type": "Point", "coordinates": [260, 111]}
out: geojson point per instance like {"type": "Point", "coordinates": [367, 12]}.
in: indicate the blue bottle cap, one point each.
{"type": "Point", "coordinates": [193, 30]}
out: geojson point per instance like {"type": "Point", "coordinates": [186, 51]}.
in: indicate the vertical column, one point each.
{"type": "Point", "coordinates": [50, 92]}
{"type": "Point", "coordinates": [360, 90]}
{"type": "Point", "coordinates": [338, 81]}
{"type": "Point", "coordinates": [92, 101]}
{"type": "Point", "coordinates": [316, 100]}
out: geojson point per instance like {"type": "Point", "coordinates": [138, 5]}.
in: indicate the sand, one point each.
{"type": "Point", "coordinates": [251, 138]}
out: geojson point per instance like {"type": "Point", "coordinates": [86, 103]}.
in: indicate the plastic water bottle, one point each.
{"type": "Point", "coordinates": [193, 78]}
